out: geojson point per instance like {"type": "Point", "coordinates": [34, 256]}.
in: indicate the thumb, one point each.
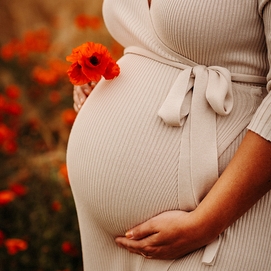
{"type": "Point", "coordinates": [141, 231]}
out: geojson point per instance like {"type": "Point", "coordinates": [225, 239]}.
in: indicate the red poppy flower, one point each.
{"type": "Point", "coordinates": [58, 65]}
{"type": "Point", "coordinates": [18, 189]}
{"type": "Point", "coordinates": [13, 91]}
{"type": "Point", "coordinates": [2, 238]}
{"type": "Point", "coordinates": [68, 116]}
{"type": "Point", "coordinates": [64, 172]}
{"type": "Point", "coordinates": [56, 206]}
{"type": "Point", "coordinates": [54, 97]}
{"type": "Point", "coordinates": [45, 76]}
{"type": "Point", "coordinates": [84, 21]}
{"type": "Point", "coordinates": [9, 50]}
{"type": "Point", "coordinates": [6, 196]}
{"type": "Point", "coordinates": [15, 245]}
{"type": "Point", "coordinates": [14, 108]}
{"type": "Point", "coordinates": [111, 71]}
{"type": "Point", "coordinates": [10, 146]}
{"type": "Point", "coordinates": [5, 133]}
{"type": "Point", "coordinates": [3, 102]}
{"type": "Point", "coordinates": [37, 41]}
{"type": "Point", "coordinates": [77, 77]}
{"type": "Point", "coordinates": [75, 55]}
{"type": "Point", "coordinates": [69, 248]}
{"type": "Point", "coordinates": [90, 62]}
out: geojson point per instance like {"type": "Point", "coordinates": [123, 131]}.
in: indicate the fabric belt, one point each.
{"type": "Point", "coordinates": [197, 95]}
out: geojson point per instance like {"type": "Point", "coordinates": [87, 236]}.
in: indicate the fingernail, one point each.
{"type": "Point", "coordinates": [129, 235]}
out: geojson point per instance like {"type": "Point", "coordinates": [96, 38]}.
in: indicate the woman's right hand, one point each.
{"type": "Point", "coordinates": [80, 94]}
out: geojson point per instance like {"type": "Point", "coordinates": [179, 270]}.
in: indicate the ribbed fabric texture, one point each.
{"type": "Point", "coordinates": [231, 34]}
{"type": "Point", "coordinates": [122, 158]}
{"type": "Point", "coordinates": [261, 123]}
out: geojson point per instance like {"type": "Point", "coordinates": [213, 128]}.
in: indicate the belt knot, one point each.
{"type": "Point", "coordinates": [214, 82]}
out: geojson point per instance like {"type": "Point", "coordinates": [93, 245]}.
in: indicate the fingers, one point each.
{"type": "Point", "coordinates": [79, 98]}
{"type": "Point", "coordinates": [142, 231]}
{"type": "Point", "coordinates": [92, 84]}
{"type": "Point", "coordinates": [76, 107]}
{"type": "Point", "coordinates": [144, 247]}
{"type": "Point", "coordinates": [80, 94]}
{"type": "Point", "coordinates": [169, 235]}
{"type": "Point", "coordinates": [141, 240]}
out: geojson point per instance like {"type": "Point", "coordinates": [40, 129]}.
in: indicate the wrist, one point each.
{"type": "Point", "coordinates": [207, 228]}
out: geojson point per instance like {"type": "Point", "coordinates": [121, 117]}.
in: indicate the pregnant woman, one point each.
{"type": "Point", "coordinates": [170, 162]}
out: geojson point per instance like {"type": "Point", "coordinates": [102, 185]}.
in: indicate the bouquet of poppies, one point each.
{"type": "Point", "coordinates": [90, 61]}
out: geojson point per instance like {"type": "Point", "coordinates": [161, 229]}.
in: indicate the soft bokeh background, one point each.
{"type": "Point", "coordinates": [38, 222]}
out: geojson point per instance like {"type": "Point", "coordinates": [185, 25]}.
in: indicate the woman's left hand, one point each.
{"type": "Point", "coordinates": [169, 235]}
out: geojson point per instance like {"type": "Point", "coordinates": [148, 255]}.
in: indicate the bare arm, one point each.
{"type": "Point", "coordinates": [246, 179]}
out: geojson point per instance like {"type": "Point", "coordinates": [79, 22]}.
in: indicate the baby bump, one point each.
{"type": "Point", "coordinates": [122, 158]}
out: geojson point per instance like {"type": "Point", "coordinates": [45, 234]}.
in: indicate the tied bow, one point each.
{"type": "Point", "coordinates": [214, 81]}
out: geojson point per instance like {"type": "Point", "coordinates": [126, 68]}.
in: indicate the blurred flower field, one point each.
{"type": "Point", "coordinates": [38, 222]}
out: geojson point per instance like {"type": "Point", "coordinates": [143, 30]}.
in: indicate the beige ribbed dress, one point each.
{"type": "Point", "coordinates": [194, 76]}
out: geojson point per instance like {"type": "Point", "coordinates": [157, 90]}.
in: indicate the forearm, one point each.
{"type": "Point", "coordinates": [246, 179]}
